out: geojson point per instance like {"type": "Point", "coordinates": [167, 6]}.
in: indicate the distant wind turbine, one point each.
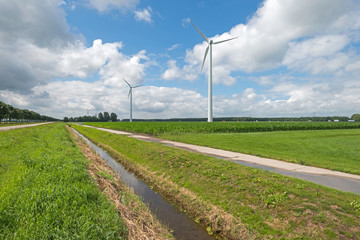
{"type": "Point", "coordinates": [130, 95]}
{"type": "Point", "coordinates": [210, 43]}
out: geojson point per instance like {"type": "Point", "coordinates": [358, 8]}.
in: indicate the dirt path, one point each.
{"type": "Point", "coordinates": [22, 126]}
{"type": "Point", "coordinates": [334, 179]}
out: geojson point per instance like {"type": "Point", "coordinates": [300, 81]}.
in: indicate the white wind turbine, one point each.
{"type": "Point", "coordinates": [130, 95]}
{"type": "Point", "coordinates": [210, 43]}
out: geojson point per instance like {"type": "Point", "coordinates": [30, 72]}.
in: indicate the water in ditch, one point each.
{"type": "Point", "coordinates": [183, 227]}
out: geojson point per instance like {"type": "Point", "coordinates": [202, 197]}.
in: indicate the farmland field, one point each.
{"type": "Point", "coordinates": [332, 149]}
{"type": "Point", "coordinates": [335, 149]}
{"type": "Point", "coordinates": [236, 201]}
{"type": "Point", "coordinates": [46, 191]}
{"type": "Point", "coordinates": [158, 128]}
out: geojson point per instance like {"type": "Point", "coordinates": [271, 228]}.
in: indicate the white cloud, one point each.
{"type": "Point", "coordinates": [174, 46]}
{"type": "Point", "coordinates": [318, 55]}
{"type": "Point", "coordinates": [144, 15]}
{"type": "Point", "coordinates": [104, 5]}
{"type": "Point", "coordinates": [285, 98]}
{"type": "Point", "coordinates": [173, 72]}
{"type": "Point", "coordinates": [299, 35]}
{"type": "Point", "coordinates": [37, 48]}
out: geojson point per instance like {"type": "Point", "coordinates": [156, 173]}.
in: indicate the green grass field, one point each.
{"type": "Point", "coordinates": [46, 191]}
{"type": "Point", "coordinates": [263, 205]}
{"type": "Point", "coordinates": [335, 149]}
{"type": "Point", "coordinates": [158, 128]}
{"type": "Point", "coordinates": [332, 149]}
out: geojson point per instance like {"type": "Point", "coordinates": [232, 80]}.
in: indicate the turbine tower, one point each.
{"type": "Point", "coordinates": [210, 43]}
{"type": "Point", "coordinates": [130, 95]}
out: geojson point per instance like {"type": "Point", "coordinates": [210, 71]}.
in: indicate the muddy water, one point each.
{"type": "Point", "coordinates": [183, 227]}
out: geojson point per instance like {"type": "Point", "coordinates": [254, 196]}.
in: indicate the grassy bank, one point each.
{"type": "Point", "coordinates": [46, 191]}
{"type": "Point", "coordinates": [141, 223]}
{"type": "Point", "coordinates": [235, 201]}
{"type": "Point", "coordinates": [332, 149]}
{"type": "Point", "coordinates": [158, 128]}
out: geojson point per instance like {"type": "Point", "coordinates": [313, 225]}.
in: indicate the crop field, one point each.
{"type": "Point", "coordinates": [158, 128]}
{"type": "Point", "coordinates": [335, 149]}
{"type": "Point", "coordinates": [46, 191]}
{"type": "Point", "coordinates": [332, 149]}
{"type": "Point", "coordinates": [235, 201]}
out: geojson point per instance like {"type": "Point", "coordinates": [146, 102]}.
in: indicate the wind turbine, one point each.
{"type": "Point", "coordinates": [130, 95]}
{"type": "Point", "coordinates": [210, 43]}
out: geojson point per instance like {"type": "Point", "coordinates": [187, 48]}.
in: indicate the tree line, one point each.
{"type": "Point", "coordinates": [101, 117]}
{"type": "Point", "coordinates": [9, 113]}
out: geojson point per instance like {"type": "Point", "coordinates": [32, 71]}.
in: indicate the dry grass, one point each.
{"type": "Point", "coordinates": [141, 224]}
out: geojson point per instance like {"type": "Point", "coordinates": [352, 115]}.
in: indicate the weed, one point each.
{"type": "Point", "coordinates": [271, 199]}
{"type": "Point", "coordinates": [356, 204]}
{"type": "Point", "coordinates": [106, 175]}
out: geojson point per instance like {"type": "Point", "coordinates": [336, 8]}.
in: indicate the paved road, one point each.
{"type": "Point", "coordinates": [339, 180]}
{"type": "Point", "coordinates": [21, 126]}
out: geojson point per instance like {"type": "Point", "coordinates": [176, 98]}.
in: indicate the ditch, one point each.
{"type": "Point", "coordinates": [181, 225]}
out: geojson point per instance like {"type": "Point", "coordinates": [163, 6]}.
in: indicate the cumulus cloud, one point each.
{"type": "Point", "coordinates": [38, 47]}
{"type": "Point", "coordinates": [173, 72]}
{"type": "Point", "coordinates": [144, 15]}
{"type": "Point", "coordinates": [285, 33]}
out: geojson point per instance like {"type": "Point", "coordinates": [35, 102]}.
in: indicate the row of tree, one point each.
{"type": "Point", "coordinates": [101, 117]}
{"type": "Point", "coordinates": [356, 117]}
{"type": "Point", "coordinates": [9, 113]}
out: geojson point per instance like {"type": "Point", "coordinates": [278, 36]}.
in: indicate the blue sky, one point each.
{"type": "Point", "coordinates": [290, 58]}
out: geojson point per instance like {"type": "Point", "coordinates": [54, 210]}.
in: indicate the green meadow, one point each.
{"type": "Point", "coordinates": [158, 128]}
{"type": "Point", "coordinates": [235, 201]}
{"type": "Point", "coordinates": [331, 145]}
{"type": "Point", "coordinates": [46, 191]}
{"type": "Point", "coordinates": [331, 149]}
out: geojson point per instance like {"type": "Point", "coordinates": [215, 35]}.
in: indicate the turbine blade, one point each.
{"type": "Point", "coordinates": [126, 82]}
{"type": "Point", "coordinates": [207, 40]}
{"type": "Point", "coordinates": [138, 86]}
{"type": "Point", "coordinates": [129, 92]}
{"type": "Point", "coordinates": [224, 40]}
{"type": "Point", "coordinates": [206, 52]}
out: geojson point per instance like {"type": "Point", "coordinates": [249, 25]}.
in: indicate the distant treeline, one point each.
{"type": "Point", "coordinates": [9, 113]}
{"type": "Point", "coordinates": [252, 119]}
{"type": "Point", "coordinates": [101, 117]}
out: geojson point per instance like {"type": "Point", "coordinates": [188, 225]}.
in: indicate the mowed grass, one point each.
{"type": "Point", "coordinates": [264, 205]}
{"type": "Point", "coordinates": [333, 149]}
{"type": "Point", "coordinates": [46, 191]}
